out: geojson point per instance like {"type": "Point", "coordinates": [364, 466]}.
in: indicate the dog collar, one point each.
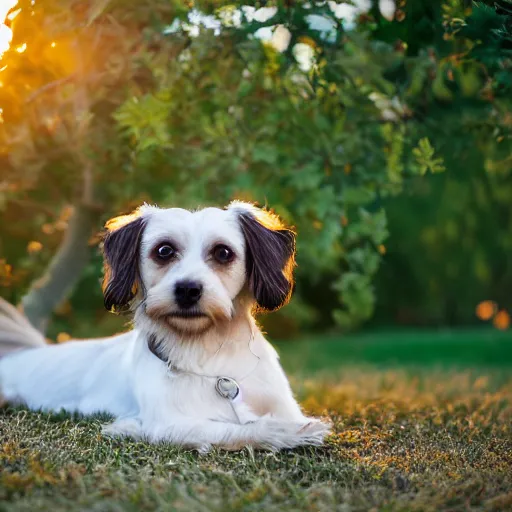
{"type": "Point", "coordinates": [226, 387]}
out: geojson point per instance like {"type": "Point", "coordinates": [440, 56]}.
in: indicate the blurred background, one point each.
{"type": "Point", "coordinates": [380, 129]}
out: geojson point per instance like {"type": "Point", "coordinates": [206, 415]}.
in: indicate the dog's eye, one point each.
{"type": "Point", "coordinates": [165, 252]}
{"type": "Point", "coordinates": [223, 254]}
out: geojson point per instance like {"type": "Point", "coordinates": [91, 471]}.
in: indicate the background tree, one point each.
{"type": "Point", "coordinates": [462, 223]}
{"type": "Point", "coordinates": [325, 111]}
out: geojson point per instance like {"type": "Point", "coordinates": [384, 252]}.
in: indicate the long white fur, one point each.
{"type": "Point", "coordinates": [122, 377]}
{"type": "Point", "coordinates": [16, 332]}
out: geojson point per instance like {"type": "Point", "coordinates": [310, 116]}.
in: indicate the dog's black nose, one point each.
{"type": "Point", "coordinates": [188, 293]}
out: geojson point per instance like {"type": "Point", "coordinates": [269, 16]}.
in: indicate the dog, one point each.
{"type": "Point", "coordinates": [195, 371]}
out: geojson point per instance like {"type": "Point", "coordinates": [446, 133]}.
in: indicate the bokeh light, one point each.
{"type": "Point", "coordinates": [5, 31]}
{"type": "Point", "coordinates": [486, 310]}
{"type": "Point", "coordinates": [502, 320]}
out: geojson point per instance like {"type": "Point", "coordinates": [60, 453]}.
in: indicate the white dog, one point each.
{"type": "Point", "coordinates": [195, 371]}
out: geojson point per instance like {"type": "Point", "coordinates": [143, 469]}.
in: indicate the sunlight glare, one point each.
{"type": "Point", "coordinates": [5, 38]}
{"type": "Point", "coordinates": [13, 14]}
{"type": "Point", "coordinates": [5, 31]}
{"type": "Point", "coordinates": [6, 6]}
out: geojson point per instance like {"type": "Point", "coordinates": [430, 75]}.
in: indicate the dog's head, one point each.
{"type": "Point", "coordinates": [191, 270]}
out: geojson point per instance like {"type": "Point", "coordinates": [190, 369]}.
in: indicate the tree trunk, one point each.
{"type": "Point", "coordinates": [64, 270]}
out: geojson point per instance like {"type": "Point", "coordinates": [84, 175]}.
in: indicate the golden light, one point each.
{"type": "Point", "coordinates": [34, 247]}
{"type": "Point", "coordinates": [13, 14]}
{"type": "Point", "coordinates": [5, 31]}
{"type": "Point", "coordinates": [21, 48]}
{"type": "Point", "coordinates": [5, 38]}
{"type": "Point", "coordinates": [6, 6]}
{"type": "Point", "coordinates": [53, 44]}
{"type": "Point", "coordinates": [62, 337]}
{"type": "Point", "coordinates": [502, 320]}
{"type": "Point", "coordinates": [486, 310]}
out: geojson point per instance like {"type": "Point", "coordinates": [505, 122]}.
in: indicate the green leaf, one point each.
{"type": "Point", "coordinates": [425, 158]}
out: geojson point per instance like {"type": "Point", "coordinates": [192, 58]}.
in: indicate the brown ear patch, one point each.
{"type": "Point", "coordinates": [270, 258]}
{"type": "Point", "coordinates": [121, 249]}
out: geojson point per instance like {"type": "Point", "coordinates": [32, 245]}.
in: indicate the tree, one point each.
{"type": "Point", "coordinates": [108, 104]}
{"type": "Point", "coordinates": [463, 218]}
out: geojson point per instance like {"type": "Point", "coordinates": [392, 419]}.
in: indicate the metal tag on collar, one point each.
{"type": "Point", "coordinates": [227, 388]}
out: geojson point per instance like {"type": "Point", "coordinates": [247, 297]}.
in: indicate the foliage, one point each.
{"type": "Point", "coordinates": [108, 104]}
{"type": "Point", "coordinates": [116, 109]}
{"type": "Point", "coordinates": [462, 220]}
{"type": "Point", "coordinates": [424, 154]}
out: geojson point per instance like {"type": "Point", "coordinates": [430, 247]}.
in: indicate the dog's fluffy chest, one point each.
{"type": "Point", "coordinates": [190, 378]}
{"type": "Point", "coordinates": [197, 395]}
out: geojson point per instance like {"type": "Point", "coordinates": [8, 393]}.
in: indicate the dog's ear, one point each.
{"type": "Point", "coordinates": [121, 249]}
{"type": "Point", "coordinates": [270, 256]}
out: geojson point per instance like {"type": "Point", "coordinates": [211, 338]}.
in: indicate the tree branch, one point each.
{"type": "Point", "coordinates": [64, 270]}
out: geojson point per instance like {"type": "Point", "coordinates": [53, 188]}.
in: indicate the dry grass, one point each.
{"type": "Point", "coordinates": [404, 440]}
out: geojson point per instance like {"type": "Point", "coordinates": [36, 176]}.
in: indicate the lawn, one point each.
{"type": "Point", "coordinates": [422, 422]}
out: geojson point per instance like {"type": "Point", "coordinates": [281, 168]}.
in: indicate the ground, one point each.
{"type": "Point", "coordinates": [422, 422]}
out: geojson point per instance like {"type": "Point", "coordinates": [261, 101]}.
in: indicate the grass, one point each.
{"type": "Point", "coordinates": [418, 426]}
{"type": "Point", "coordinates": [448, 348]}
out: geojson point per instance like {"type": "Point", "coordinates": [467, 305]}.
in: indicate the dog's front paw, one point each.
{"type": "Point", "coordinates": [203, 449]}
{"type": "Point", "coordinates": [123, 428]}
{"type": "Point", "coordinates": [314, 431]}
{"type": "Point", "coordinates": [276, 434]}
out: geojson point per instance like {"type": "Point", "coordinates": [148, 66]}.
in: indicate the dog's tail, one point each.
{"type": "Point", "coordinates": [16, 332]}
